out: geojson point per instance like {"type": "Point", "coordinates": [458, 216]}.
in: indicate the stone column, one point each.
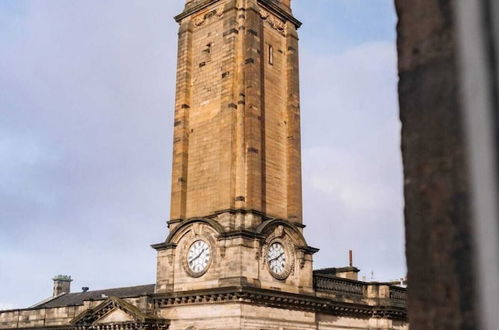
{"type": "Point", "coordinates": [445, 84]}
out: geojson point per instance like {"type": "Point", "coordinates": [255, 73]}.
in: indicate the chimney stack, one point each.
{"type": "Point", "coordinates": [62, 284]}
{"type": "Point", "coordinates": [349, 272]}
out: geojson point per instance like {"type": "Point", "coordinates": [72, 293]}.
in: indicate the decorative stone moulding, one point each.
{"type": "Point", "coordinates": [277, 299]}
{"type": "Point", "coordinates": [208, 17]}
{"type": "Point", "coordinates": [94, 318]}
{"type": "Point", "coordinates": [273, 21]}
{"type": "Point", "coordinates": [280, 236]}
{"type": "Point", "coordinates": [188, 240]}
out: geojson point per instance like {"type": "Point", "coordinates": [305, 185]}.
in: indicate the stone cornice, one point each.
{"type": "Point", "coordinates": [240, 211]}
{"type": "Point", "coordinates": [194, 9]}
{"type": "Point", "coordinates": [240, 233]}
{"type": "Point", "coordinates": [256, 234]}
{"type": "Point", "coordinates": [277, 299]}
{"type": "Point", "coordinates": [309, 249]}
{"type": "Point", "coordinates": [174, 221]}
{"type": "Point", "coordinates": [283, 14]}
{"type": "Point", "coordinates": [92, 315]}
{"type": "Point", "coordinates": [280, 12]}
{"type": "Point", "coordinates": [46, 327]}
{"type": "Point", "coordinates": [163, 246]}
{"type": "Point", "coordinates": [236, 211]}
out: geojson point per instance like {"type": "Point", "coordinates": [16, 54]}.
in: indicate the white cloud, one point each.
{"type": "Point", "coordinates": [352, 163]}
{"type": "Point", "coordinates": [86, 98]}
{"type": "Point", "coordinates": [348, 178]}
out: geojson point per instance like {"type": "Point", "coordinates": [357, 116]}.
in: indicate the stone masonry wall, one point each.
{"type": "Point", "coordinates": [42, 318]}
{"type": "Point", "coordinates": [236, 128]}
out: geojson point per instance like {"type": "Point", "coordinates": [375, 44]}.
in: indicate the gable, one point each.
{"type": "Point", "coordinates": [115, 316]}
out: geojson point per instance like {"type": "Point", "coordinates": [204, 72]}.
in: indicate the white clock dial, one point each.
{"type": "Point", "coordinates": [276, 258]}
{"type": "Point", "coordinates": [198, 256]}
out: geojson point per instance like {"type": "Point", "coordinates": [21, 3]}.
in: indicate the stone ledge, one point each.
{"type": "Point", "coordinates": [277, 299]}
{"type": "Point", "coordinates": [283, 14]}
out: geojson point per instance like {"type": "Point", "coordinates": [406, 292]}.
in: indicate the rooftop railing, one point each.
{"type": "Point", "coordinates": [398, 293]}
{"type": "Point", "coordinates": [337, 285]}
{"type": "Point", "coordinates": [331, 284]}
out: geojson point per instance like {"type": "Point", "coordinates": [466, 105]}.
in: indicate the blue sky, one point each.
{"type": "Point", "coordinates": [86, 99]}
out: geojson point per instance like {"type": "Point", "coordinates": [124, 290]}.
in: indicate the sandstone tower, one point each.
{"type": "Point", "coordinates": [236, 181]}
{"type": "Point", "coordinates": [236, 178]}
{"type": "Point", "coordinates": [235, 256]}
{"type": "Point", "coordinates": [237, 115]}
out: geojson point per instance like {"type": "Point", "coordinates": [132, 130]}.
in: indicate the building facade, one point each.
{"type": "Point", "coordinates": [236, 256]}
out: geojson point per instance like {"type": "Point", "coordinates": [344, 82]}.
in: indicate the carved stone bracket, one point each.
{"type": "Point", "coordinates": [301, 258]}
{"type": "Point", "coordinates": [209, 16]}
{"type": "Point", "coordinates": [273, 21]}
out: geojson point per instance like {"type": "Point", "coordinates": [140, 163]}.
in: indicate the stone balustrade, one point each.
{"type": "Point", "coordinates": [337, 285]}
{"type": "Point", "coordinates": [374, 291]}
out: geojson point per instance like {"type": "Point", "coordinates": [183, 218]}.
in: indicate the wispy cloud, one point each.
{"type": "Point", "coordinates": [86, 99]}
{"type": "Point", "coordinates": [86, 93]}
{"type": "Point", "coordinates": [352, 165]}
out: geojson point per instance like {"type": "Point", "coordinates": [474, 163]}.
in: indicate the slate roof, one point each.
{"type": "Point", "coordinates": [77, 298]}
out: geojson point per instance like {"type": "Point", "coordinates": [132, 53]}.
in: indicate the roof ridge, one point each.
{"type": "Point", "coordinates": [118, 288]}
{"type": "Point", "coordinates": [77, 298]}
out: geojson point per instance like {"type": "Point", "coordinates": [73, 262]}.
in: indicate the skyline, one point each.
{"type": "Point", "coordinates": [85, 140]}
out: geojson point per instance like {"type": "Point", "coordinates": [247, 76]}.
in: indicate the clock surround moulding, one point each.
{"type": "Point", "coordinates": [197, 232]}
{"type": "Point", "coordinates": [289, 262]}
{"type": "Point", "coordinates": [203, 258]}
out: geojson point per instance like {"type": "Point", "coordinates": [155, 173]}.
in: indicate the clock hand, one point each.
{"type": "Point", "coordinates": [200, 253]}
{"type": "Point", "coordinates": [276, 257]}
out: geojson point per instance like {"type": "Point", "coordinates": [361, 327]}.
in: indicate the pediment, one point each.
{"type": "Point", "coordinates": [116, 313]}
{"type": "Point", "coordinates": [116, 316]}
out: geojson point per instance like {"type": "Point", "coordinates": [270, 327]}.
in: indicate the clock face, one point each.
{"type": "Point", "coordinates": [198, 256]}
{"type": "Point", "coordinates": [276, 258]}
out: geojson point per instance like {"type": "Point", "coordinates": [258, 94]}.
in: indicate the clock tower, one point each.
{"type": "Point", "coordinates": [236, 205]}
{"type": "Point", "coordinates": [236, 199]}
{"type": "Point", "coordinates": [235, 256]}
